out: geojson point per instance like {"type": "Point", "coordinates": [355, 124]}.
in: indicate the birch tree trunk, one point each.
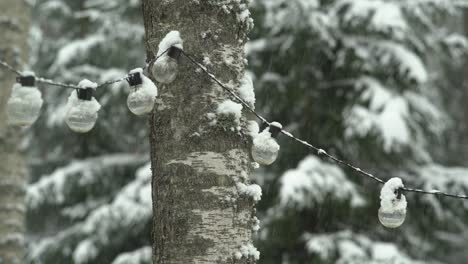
{"type": "Point", "coordinates": [199, 215]}
{"type": "Point", "coordinates": [465, 95]}
{"type": "Point", "coordinates": [14, 27]}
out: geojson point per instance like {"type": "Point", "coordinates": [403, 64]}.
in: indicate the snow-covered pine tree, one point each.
{"type": "Point", "coordinates": [90, 199]}
{"type": "Point", "coordinates": [200, 150]}
{"type": "Point", "coordinates": [362, 79]}
{"type": "Point", "coordinates": [15, 20]}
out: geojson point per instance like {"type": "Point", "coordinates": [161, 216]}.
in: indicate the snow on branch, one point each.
{"type": "Point", "coordinates": [388, 114]}
{"type": "Point", "coordinates": [85, 252]}
{"type": "Point", "coordinates": [76, 49]}
{"type": "Point", "coordinates": [383, 16]}
{"type": "Point", "coordinates": [131, 209]}
{"type": "Point", "coordinates": [139, 256]}
{"type": "Point", "coordinates": [130, 206]}
{"type": "Point", "coordinates": [409, 62]}
{"type": "Point", "coordinates": [54, 188]}
{"type": "Point", "coordinates": [351, 248]}
{"type": "Point", "coordinates": [313, 180]}
{"type": "Point", "coordinates": [436, 178]}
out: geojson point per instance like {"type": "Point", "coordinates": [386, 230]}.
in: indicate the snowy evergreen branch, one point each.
{"type": "Point", "coordinates": [354, 248]}
{"type": "Point", "coordinates": [130, 209]}
{"type": "Point", "coordinates": [139, 256]}
{"type": "Point", "coordinates": [53, 189]}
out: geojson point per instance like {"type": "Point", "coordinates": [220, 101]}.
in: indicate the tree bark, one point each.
{"type": "Point", "coordinates": [465, 96]}
{"type": "Point", "coordinates": [14, 24]}
{"type": "Point", "coordinates": [199, 215]}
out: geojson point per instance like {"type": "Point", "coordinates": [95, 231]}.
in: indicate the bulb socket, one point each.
{"type": "Point", "coordinates": [85, 94]}
{"type": "Point", "coordinates": [273, 129]}
{"type": "Point", "coordinates": [174, 52]}
{"type": "Point", "coordinates": [26, 81]}
{"type": "Point", "coordinates": [134, 79]}
{"type": "Point", "coordinates": [263, 126]}
{"type": "Point", "coordinates": [398, 192]}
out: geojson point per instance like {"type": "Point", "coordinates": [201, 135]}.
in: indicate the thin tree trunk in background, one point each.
{"type": "Point", "coordinates": [14, 27]}
{"type": "Point", "coordinates": [199, 217]}
{"type": "Point", "coordinates": [465, 95]}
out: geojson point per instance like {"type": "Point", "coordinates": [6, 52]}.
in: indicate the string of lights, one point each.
{"type": "Point", "coordinates": [139, 80]}
{"type": "Point", "coordinates": [66, 85]}
{"type": "Point", "coordinates": [319, 151]}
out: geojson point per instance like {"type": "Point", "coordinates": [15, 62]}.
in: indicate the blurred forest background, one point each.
{"type": "Point", "coordinates": [377, 82]}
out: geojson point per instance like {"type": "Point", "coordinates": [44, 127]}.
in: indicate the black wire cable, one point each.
{"type": "Point", "coordinates": [319, 151]}
{"type": "Point", "coordinates": [10, 68]}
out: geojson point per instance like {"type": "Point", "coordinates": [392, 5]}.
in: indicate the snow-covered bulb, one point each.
{"type": "Point", "coordinates": [82, 108]}
{"type": "Point", "coordinates": [141, 99]}
{"type": "Point", "coordinates": [392, 212]}
{"type": "Point", "coordinates": [166, 67]}
{"type": "Point", "coordinates": [265, 148]}
{"type": "Point", "coordinates": [25, 102]}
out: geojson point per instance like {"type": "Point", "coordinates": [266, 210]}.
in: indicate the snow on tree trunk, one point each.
{"type": "Point", "coordinates": [199, 215]}
{"type": "Point", "coordinates": [14, 28]}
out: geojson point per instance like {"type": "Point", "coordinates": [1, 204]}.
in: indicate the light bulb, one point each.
{"type": "Point", "coordinates": [392, 211]}
{"type": "Point", "coordinates": [139, 103]}
{"type": "Point", "coordinates": [165, 69]}
{"type": "Point", "coordinates": [392, 219]}
{"type": "Point", "coordinates": [25, 102]}
{"type": "Point", "coordinates": [265, 148]}
{"type": "Point", "coordinates": [82, 108]}
{"type": "Point", "coordinates": [141, 99]}
{"type": "Point", "coordinates": [79, 118]}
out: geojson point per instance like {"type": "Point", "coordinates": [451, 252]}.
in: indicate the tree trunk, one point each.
{"type": "Point", "coordinates": [14, 24]}
{"type": "Point", "coordinates": [465, 95]}
{"type": "Point", "coordinates": [199, 216]}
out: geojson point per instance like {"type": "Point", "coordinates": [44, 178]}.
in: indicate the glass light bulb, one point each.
{"type": "Point", "coordinates": [140, 102]}
{"type": "Point", "coordinates": [80, 117]}
{"type": "Point", "coordinates": [165, 69]}
{"type": "Point", "coordinates": [393, 219]}
{"type": "Point", "coordinates": [24, 105]}
{"type": "Point", "coordinates": [264, 149]}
